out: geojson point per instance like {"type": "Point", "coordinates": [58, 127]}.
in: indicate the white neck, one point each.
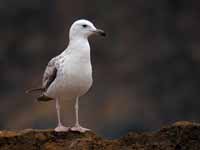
{"type": "Point", "coordinates": [79, 42]}
{"type": "Point", "coordinates": [80, 48]}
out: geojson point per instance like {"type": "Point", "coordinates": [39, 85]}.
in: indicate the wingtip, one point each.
{"type": "Point", "coordinates": [27, 91]}
{"type": "Point", "coordinates": [34, 90]}
{"type": "Point", "coordinates": [44, 98]}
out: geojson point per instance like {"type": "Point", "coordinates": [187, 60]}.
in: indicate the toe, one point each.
{"type": "Point", "coordinates": [79, 129]}
{"type": "Point", "coordinates": [61, 129]}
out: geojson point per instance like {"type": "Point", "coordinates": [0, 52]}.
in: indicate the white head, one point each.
{"type": "Point", "coordinates": [83, 29]}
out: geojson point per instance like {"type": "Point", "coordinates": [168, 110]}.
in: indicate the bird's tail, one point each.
{"type": "Point", "coordinates": [44, 98]}
{"type": "Point", "coordinates": [35, 90]}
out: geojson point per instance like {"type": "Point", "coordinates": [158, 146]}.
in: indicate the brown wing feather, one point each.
{"type": "Point", "coordinates": [48, 78]}
{"type": "Point", "coordinates": [49, 74]}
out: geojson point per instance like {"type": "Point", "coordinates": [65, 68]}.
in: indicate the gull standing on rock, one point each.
{"type": "Point", "coordinates": [69, 75]}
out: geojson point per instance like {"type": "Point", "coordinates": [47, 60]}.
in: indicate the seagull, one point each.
{"type": "Point", "coordinates": [69, 75]}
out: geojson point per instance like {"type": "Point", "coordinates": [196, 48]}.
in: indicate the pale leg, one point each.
{"type": "Point", "coordinates": [77, 126]}
{"type": "Point", "coordinates": [60, 127]}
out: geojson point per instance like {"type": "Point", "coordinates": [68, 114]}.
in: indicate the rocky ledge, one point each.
{"type": "Point", "coordinates": [179, 136]}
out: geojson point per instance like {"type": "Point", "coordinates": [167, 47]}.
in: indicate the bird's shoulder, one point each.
{"type": "Point", "coordinates": [53, 62]}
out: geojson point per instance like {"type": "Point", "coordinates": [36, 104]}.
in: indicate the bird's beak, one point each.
{"type": "Point", "coordinates": [100, 32]}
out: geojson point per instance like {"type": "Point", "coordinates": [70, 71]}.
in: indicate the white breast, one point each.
{"type": "Point", "coordinates": [74, 77]}
{"type": "Point", "coordinates": [77, 77]}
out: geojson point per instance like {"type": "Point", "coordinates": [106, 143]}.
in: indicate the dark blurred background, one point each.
{"type": "Point", "coordinates": [146, 71]}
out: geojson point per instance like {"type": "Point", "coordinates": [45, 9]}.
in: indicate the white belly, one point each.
{"type": "Point", "coordinates": [73, 80]}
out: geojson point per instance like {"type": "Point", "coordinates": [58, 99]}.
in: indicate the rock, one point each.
{"type": "Point", "coordinates": [179, 136]}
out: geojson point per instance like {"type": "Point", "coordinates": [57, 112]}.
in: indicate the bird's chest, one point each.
{"type": "Point", "coordinates": [76, 76]}
{"type": "Point", "coordinates": [78, 73]}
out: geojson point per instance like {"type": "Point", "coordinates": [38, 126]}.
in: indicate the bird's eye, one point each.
{"type": "Point", "coordinates": [84, 25]}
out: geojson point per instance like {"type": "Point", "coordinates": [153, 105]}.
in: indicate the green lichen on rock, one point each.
{"type": "Point", "coordinates": [179, 136]}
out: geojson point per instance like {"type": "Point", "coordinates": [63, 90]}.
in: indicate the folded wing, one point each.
{"type": "Point", "coordinates": [49, 74]}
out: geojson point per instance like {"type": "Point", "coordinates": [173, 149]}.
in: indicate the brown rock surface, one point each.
{"type": "Point", "coordinates": [179, 136]}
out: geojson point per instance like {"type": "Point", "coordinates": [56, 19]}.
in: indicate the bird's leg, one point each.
{"type": "Point", "coordinates": [77, 126]}
{"type": "Point", "coordinates": [58, 112]}
{"type": "Point", "coordinates": [60, 127]}
{"type": "Point", "coordinates": [76, 111]}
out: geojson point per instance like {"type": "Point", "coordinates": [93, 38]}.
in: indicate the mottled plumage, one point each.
{"type": "Point", "coordinates": [49, 74]}
{"type": "Point", "coordinates": [69, 75]}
